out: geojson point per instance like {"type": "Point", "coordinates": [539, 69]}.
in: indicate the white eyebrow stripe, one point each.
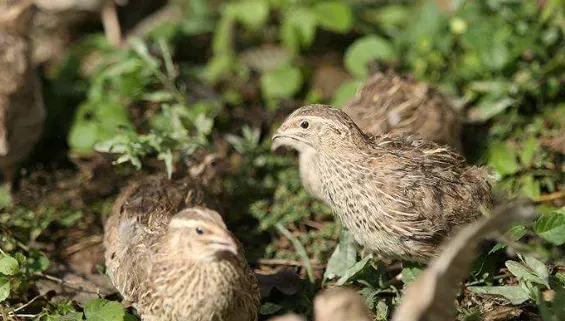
{"type": "Point", "coordinates": [179, 222]}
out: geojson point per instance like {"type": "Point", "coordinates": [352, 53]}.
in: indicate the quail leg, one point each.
{"type": "Point", "coordinates": [111, 23]}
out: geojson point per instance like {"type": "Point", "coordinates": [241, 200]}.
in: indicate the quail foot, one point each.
{"type": "Point", "coordinates": [175, 259]}
{"type": "Point", "coordinates": [388, 103]}
{"type": "Point", "coordinates": [399, 196]}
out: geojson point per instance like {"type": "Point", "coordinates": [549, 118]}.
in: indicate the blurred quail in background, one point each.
{"type": "Point", "coordinates": [387, 103]}
{"type": "Point", "coordinates": [340, 304]}
{"type": "Point", "coordinates": [399, 196]}
{"type": "Point", "coordinates": [22, 112]}
{"type": "Point", "coordinates": [174, 258]}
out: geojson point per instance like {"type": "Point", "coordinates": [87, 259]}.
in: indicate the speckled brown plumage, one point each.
{"type": "Point", "coordinates": [399, 196]}
{"type": "Point", "coordinates": [387, 103]}
{"type": "Point", "coordinates": [21, 103]}
{"type": "Point", "coordinates": [175, 258]}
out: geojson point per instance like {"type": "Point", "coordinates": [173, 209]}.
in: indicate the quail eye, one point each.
{"type": "Point", "coordinates": [304, 124]}
{"type": "Point", "coordinates": [199, 231]}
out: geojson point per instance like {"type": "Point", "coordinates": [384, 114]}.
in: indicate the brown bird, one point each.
{"type": "Point", "coordinates": [432, 295]}
{"type": "Point", "coordinates": [21, 103]}
{"type": "Point", "coordinates": [399, 196]}
{"type": "Point", "coordinates": [340, 304]}
{"type": "Point", "coordinates": [387, 103]}
{"type": "Point", "coordinates": [175, 259]}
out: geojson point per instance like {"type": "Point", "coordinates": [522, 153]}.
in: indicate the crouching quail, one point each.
{"type": "Point", "coordinates": [399, 196]}
{"type": "Point", "coordinates": [175, 259]}
{"type": "Point", "coordinates": [388, 103]}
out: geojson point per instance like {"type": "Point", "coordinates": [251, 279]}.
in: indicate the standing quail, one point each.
{"type": "Point", "coordinates": [175, 259]}
{"type": "Point", "coordinates": [388, 103]}
{"type": "Point", "coordinates": [21, 103]}
{"type": "Point", "coordinates": [399, 196]}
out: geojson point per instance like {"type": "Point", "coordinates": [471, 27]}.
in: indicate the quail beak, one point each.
{"type": "Point", "coordinates": [276, 142]}
{"type": "Point", "coordinates": [223, 246]}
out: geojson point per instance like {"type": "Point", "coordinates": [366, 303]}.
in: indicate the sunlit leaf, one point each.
{"type": "Point", "coordinates": [4, 288]}
{"type": "Point", "coordinates": [103, 310]}
{"type": "Point", "coordinates": [365, 50]}
{"type": "Point", "coordinates": [298, 28]}
{"type": "Point", "coordinates": [503, 158]}
{"type": "Point", "coordinates": [514, 294]}
{"type": "Point", "coordinates": [345, 92]}
{"type": "Point", "coordinates": [334, 16]}
{"type": "Point", "coordinates": [551, 227]}
{"type": "Point", "coordinates": [9, 265]}
{"type": "Point", "coordinates": [282, 83]}
{"type": "Point", "coordinates": [358, 267]}
{"type": "Point", "coordinates": [344, 256]}
{"type": "Point", "coordinates": [253, 14]}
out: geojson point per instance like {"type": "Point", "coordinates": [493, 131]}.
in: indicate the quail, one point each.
{"type": "Point", "coordinates": [174, 258]}
{"type": "Point", "coordinates": [399, 196]}
{"type": "Point", "coordinates": [340, 304]}
{"type": "Point", "coordinates": [389, 103]}
{"type": "Point", "coordinates": [22, 112]}
{"type": "Point", "coordinates": [432, 295]}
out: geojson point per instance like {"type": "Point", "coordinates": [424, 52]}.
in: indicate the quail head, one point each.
{"type": "Point", "coordinates": [340, 304]}
{"type": "Point", "coordinates": [399, 196]}
{"type": "Point", "coordinates": [21, 103]}
{"type": "Point", "coordinates": [175, 259]}
{"type": "Point", "coordinates": [388, 103]}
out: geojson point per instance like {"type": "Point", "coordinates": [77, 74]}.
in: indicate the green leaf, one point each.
{"type": "Point", "coordinates": [514, 294]}
{"type": "Point", "coordinates": [503, 159]}
{"type": "Point", "coordinates": [4, 288]}
{"type": "Point", "coordinates": [9, 265]}
{"type": "Point", "coordinates": [334, 16]}
{"type": "Point", "coordinates": [365, 50]}
{"type": "Point", "coordinates": [529, 149]}
{"type": "Point", "coordinates": [345, 92]}
{"type": "Point", "coordinates": [410, 272]}
{"type": "Point", "coordinates": [282, 83]}
{"type": "Point", "coordinates": [344, 256]}
{"type": "Point", "coordinates": [514, 233]}
{"type": "Point", "coordinates": [358, 267]}
{"type": "Point", "coordinates": [298, 28]}
{"type": "Point", "coordinates": [252, 14]}
{"type": "Point", "coordinates": [103, 310]}
{"type": "Point", "coordinates": [72, 316]}
{"type": "Point", "coordinates": [551, 227]}
{"type": "Point", "coordinates": [523, 273]}
{"type": "Point", "coordinates": [537, 266]}
{"type": "Point", "coordinates": [530, 187]}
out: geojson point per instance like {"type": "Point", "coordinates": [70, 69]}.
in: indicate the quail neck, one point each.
{"type": "Point", "coordinates": [399, 196]}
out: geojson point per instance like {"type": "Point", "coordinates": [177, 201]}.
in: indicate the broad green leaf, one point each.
{"type": "Point", "coordinates": [503, 159]}
{"type": "Point", "coordinates": [514, 294]}
{"type": "Point", "coordinates": [530, 187]}
{"type": "Point", "coordinates": [529, 149]}
{"type": "Point", "coordinates": [410, 272]}
{"type": "Point", "coordinates": [551, 227]}
{"type": "Point", "coordinates": [365, 50]}
{"type": "Point", "coordinates": [103, 310]}
{"type": "Point", "coordinates": [9, 265]}
{"type": "Point", "coordinates": [217, 66]}
{"type": "Point", "coordinates": [334, 16]}
{"type": "Point", "coordinates": [537, 266]}
{"type": "Point", "coordinates": [344, 256]}
{"type": "Point", "coordinates": [514, 233]}
{"type": "Point", "coordinates": [490, 106]}
{"type": "Point", "coordinates": [358, 267]}
{"type": "Point", "coordinates": [298, 28]}
{"type": "Point", "coordinates": [4, 288]}
{"type": "Point", "coordinates": [523, 273]}
{"type": "Point", "coordinates": [282, 83]}
{"type": "Point", "coordinates": [253, 14]}
{"type": "Point", "coordinates": [345, 92]}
